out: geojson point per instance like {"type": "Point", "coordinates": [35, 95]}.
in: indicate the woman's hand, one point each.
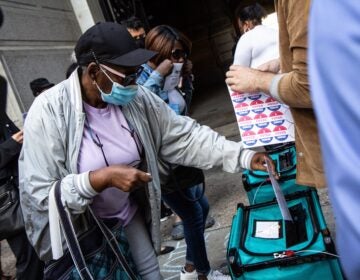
{"type": "Point", "coordinates": [18, 136]}
{"type": "Point", "coordinates": [165, 67]}
{"type": "Point", "coordinates": [258, 162]}
{"type": "Point", "coordinates": [123, 177]}
{"type": "Point", "coordinates": [187, 68]}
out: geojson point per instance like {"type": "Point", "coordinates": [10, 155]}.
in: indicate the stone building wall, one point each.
{"type": "Point", "coordinates": [36, 40]}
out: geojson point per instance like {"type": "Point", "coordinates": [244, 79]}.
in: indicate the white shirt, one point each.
{"type": "Point", "coordinates": [257, 46]}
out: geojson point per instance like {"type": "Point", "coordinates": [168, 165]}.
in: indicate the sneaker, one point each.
{"type": "Point", "coordinates": [217, 275]}
{"type": "Point", "coordinates": [184, 275]}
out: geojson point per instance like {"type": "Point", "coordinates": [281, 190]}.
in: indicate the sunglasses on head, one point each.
{"type": "Point", "coordinates": [178, 53]}
{"type": "Point", "coordinates": [127, 79]}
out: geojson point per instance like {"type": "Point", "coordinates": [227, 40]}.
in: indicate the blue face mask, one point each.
{"type": "Point", "coordinates": [119, 94]}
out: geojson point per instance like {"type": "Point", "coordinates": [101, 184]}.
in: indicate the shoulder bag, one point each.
{"type": "Point", "coordinates": [11, 219]}
{"type": "Point", "coordinates": [102, 252]}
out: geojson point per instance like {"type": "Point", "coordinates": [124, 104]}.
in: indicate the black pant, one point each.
{"type": "Point", "coordinates": [28, 264]}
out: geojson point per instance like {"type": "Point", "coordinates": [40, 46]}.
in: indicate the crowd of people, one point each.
{"type": "Point", "coordinates": [117, 144]}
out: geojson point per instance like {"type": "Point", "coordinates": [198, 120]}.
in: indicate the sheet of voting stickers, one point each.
{"type": "Point", "coordinates": [262, 120]}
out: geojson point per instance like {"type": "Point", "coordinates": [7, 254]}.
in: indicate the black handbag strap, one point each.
{"type": "Point", "coordinates": [70, 236]}
{"type": "Point", "coordinates": [73, 244]}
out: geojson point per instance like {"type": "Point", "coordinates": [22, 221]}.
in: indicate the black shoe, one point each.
{"type": "Point", "coordinates": [166, 249]}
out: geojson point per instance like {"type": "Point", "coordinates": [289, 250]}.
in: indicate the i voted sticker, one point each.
{"type": "Point", "coordinates": [245, 123]}
{"type": "Point", "coordinates": [261, 120]}
{"type": "Point", "coordinates": [281, 133]}
{"type": "Point", "coordinates": [277, 118]}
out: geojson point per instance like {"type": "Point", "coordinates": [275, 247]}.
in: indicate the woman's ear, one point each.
{"type": "Point", "coordinates": [249, 25]}
{"type": "Point", "coordinates": [93, 70]}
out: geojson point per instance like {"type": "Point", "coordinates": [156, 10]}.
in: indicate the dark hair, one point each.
{"type": "Point", "coordinates": [133, 23]}
{"type": "Point", "coordinates": [162, 39]}
{"type": "Point", "coordinates": [254, 13]}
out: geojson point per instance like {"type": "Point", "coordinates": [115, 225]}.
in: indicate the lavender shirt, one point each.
{"type": "Point", "coordinates": [119, 148]}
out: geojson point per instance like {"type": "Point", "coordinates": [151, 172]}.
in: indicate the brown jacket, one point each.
{"type": "Point", "coordinates": [293, 89]}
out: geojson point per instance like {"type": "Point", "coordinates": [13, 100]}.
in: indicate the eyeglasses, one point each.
{"type": "Point", "coordinates": [127, 79]}
{"type": "Point", "coordinates": [178, 53]}
{"type": "Point", "coordinates": [139, 147]}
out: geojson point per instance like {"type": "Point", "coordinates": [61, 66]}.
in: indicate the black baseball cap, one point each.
{"type": "Point", "coordinates": [110, 43]}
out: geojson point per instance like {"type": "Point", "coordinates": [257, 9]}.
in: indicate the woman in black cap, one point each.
{"type": "Point", "coordinates": [101, 140]}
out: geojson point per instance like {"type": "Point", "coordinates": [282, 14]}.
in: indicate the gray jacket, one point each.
{"type": "Point", "coordinates": [53, 132]}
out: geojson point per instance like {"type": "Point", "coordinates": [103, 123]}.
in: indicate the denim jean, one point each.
{"type": "Point", "coordinates": [193, 215]}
